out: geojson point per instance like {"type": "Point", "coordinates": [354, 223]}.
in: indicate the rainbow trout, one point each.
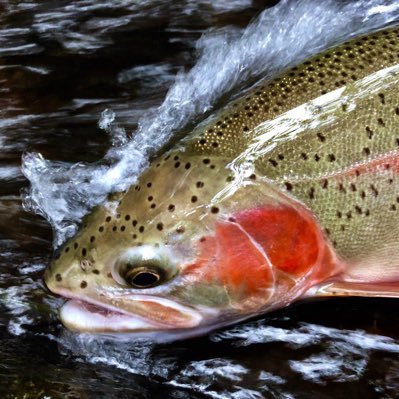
{"type": "Point", "coordinates": [289, 192]}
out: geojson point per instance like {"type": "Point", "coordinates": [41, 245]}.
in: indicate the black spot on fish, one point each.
{"type": "Point", "coordinates": [288, 186]}
{"type": "Point", "coordinates": [58, 277]}
{"type": "Point", "coordinates": [374, 190]}
{"type": "Point", "coordinates": [304, 156]}
{"type": "Point", "coordinates": [83, 284]}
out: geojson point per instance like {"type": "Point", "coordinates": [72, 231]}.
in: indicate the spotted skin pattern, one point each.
{"type": "Point", "coordinates": [333, 190]}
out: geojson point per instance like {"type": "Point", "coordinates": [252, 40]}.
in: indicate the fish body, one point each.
{"type": "Point", "coordinates": [291, 191]}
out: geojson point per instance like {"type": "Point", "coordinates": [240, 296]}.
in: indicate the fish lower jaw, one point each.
{"type": "Point", "coordinates": [82, 316]}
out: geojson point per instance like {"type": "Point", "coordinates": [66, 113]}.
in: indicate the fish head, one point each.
{"type": "Point", "coordinates": [192, 247]}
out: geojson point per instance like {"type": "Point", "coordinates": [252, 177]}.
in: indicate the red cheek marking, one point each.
{"type": "Point", "coordinates": [263, 248]}
{"type": "Point", "coordinates": [241, 264]}
{"type": "Point", "coordinates": [291, 239]}
{"type": "Point", "coordinates": [231, 259]}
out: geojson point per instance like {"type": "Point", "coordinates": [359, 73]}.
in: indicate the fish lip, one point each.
{"type": "Point", "coordinates": [91, 306]}
{"type": "Point", "coordinates": [84, 316]}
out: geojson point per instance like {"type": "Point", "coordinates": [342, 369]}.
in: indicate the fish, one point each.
{"type": "Point", "coordinates": [290, 191]}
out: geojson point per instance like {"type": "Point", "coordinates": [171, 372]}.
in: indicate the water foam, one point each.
{"type": "Point", "coordinates": [228, 59]}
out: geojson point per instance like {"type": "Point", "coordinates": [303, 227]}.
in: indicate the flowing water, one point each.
{"type": "Point", "coordinates": [76, 79]}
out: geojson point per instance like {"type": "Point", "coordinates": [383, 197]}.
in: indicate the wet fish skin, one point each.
{"type": "Point", "coordinates": [198, 213]}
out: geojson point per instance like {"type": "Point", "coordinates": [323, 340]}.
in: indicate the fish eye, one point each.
{"type": "Point", "coordinates": [144, 267]}
{"type": "Point", "coordinates": [142, 277]}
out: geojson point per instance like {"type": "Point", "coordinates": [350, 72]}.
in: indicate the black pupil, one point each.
{"type": "Point", "coordinates": [144, 279]}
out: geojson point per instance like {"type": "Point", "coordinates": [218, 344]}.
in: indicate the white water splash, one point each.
{"type": "Point", "coordinates": [316, 353]}
{"type": "Point", "coordinates": [227, 60]}
{"type": "Point", "coordinates": [344, 355]}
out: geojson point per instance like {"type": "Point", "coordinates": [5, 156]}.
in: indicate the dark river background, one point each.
{"type": "Point", "coordinates": [61, 64]}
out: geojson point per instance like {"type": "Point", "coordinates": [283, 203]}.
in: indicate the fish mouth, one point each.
{"type": "Point", "coordinates": [89, 316]}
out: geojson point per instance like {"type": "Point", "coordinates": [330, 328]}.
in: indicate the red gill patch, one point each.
{"type": "Point", "coordinates": [289, 238]}
{"type": "Point", "coordinates": [258, 245]}
{"type": "Point", "coordinates": [240, 263]}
